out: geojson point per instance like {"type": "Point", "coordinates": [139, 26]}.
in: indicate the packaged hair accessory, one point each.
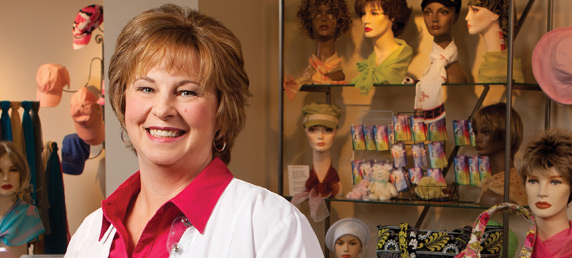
{"type": "Point", "coordinates": [381, 138]}
{"type": "Point", "coordinates": [474, 175]}
{"type": "Point", "coordinates": [418, 130]}
{"type": "Point", "coordinates": [400, 179]}
{"type": "Point", "coordinates": [461, 132]}
{"type": "Point", "coordinates": [437, 131]}
{"type": "Point", "coordinates": [437, 155]}
{"type": "Point", "coordinates": [437, 174]}
{"type": "Point", "coordinates": [401, 128]}
{"type": "Point", "coordinates": [462, 170]}
{"type": "Point", "coordinates": [358, 139]}
{"type": "Point", "coordinates": [415, 174]}
{"type": "Point", "coordinates": [398, 153]}
{"type": "Point", "coordinates": [369, 136]}
{"type": "Point", "coordinates": [472, 134]}
{"type": "Point", "coordinates": [419, 155]}
{"type": "Point", "coordinates": [484, 167]}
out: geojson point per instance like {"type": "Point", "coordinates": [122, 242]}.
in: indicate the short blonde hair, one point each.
{"type": "Point", "coordinates": [177, 36]}
{"type": "Point", "coordinates": [23, 193]}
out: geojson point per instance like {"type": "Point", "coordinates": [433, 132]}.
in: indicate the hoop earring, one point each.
{"type": "Point", "coordinates": [221, 149]}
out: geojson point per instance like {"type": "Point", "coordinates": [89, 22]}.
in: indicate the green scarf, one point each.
{"type": "Point", "coordinates": [493, 69]}
{"type": "Point", "coordinates": [392, 70]}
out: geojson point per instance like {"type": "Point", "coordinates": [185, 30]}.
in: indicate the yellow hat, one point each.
{"type": "Point", "coordinates": [321, 114]}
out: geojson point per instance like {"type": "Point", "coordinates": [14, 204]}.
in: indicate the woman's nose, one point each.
{"type": "Point", "coordinates": [163, 107]}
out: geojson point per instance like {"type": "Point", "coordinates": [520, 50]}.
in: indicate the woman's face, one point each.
{"type": "Point", "coordinates": [486, 144]}
{"type": "Point", "coordinates": [375, 23]}
{"type": "Point", "coordinates": [10, 176]}
{"type": "Point", "coordinates": [320, 137]}
{"type": "Point", "coordinates": [480, 19]}
{"type": "Point", "coordinates": [324, 23]}
{"type": "Point", "coordinates": [547, 195]}
{"type": "Point", "coordinates": [439, 19]}
{"type": "Point", "coordinates": [348, 246]}
{"type": "Point", "coordinates": [170, 120]}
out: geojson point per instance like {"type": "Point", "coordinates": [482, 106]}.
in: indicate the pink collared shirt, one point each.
{"type": "Point", "coordinates": [195, 202]}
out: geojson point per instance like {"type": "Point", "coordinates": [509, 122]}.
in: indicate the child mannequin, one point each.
{"type": "Point", "coordinates": [489, 127]}
{"type": "Point", "coordinates": [546, 168]}
{"type": "Point", "coordinates": [383, 21]}
{"type": "Point", "coordinates": [19, 222]}
{"type": "Point", "coordinates": [489, 18]}
{"type": "Point", "coordinates": [323, 21]}
{"type": "Point", "coordinates": [321, 125]}
{"type": "Point", "coordinates": [348, 238]}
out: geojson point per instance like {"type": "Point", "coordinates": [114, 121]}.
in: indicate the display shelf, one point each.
{"type": "Point", "coordinates": [326, 87]}
{"type": "Point", "coordinates": [408, 202]}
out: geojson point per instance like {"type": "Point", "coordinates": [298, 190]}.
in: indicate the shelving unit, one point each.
{"type": "Point", "coordinates": [509, 86]}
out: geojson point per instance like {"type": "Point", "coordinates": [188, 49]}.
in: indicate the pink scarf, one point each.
{"type": "Point", "coordinates": [558, 246]}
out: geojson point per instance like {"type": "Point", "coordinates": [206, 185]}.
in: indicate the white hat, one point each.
{"type": "Point", "coordinates": [347, 226]}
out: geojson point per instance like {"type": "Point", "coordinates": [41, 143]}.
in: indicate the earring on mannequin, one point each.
{"type": "Point", "coordinates": [221, 149]}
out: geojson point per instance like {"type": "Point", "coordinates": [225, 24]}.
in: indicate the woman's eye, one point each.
{"type": "Point", "coordinates": [426, 13]}
{"type": "Point", "coordinates": [187, 93]}
{"type": "Point", "coordinates": [312, 129]}
{"type": "Point", "coordinates": [14, 170]}
{"type": "Point", "coordinates": [444, 12]}
{"type": "Point", "coordinates": [329, 130]}
{"type": "Point", "coordinates": [475, 10]}
{"type": "Point", "coordinates": [531, 181]}
{"type": "Point", "coordinates": [145, 89]}
{"type": "Point", "coordinates": [556, 182]}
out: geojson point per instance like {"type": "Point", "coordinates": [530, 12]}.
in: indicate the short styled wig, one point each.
{"type": "Point", "coordinates": [338, 8]}
{"type": "Point", "coordinates": [549, 149]}
{"type": "Point", "coordinates": [176, 37]}
{"type": "Point", "coordinates": [396, 10]}
{"type": "Point", "coordinates": [493, 117]}
{"type": "Point", "coordinates": [18, 159]}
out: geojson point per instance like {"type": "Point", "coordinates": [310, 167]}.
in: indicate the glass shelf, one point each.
{"type": "Point", "coordinates": [408, 202]}
{"type": "Point", "coordinates": [325, 87]}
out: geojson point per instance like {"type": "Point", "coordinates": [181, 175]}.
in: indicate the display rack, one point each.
{"type": "Point", "coordinates": [509, 86]}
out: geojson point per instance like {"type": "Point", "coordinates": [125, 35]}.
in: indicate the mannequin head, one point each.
{"type": "Point", "coordinates": [391, 13]}
{"type": "Point", "coordinates": [489, 127]}
{"type": "Point", "coordinates": [324, 19]}
{"type": "Point", "coordinates": [321, 125]}
{"type": "Point", "coordinates": [546, 169]}
{"type": "Point", "coordinates": [348, 236]}
{"type": "Point", "coordinates": [14, 173]}
{"type": "Point", "coordinates": [483, 13]}
{"type": "Point", "coordinates": [440, 16]}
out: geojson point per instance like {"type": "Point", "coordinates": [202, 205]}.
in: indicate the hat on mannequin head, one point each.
{"type": "Point", "coordinates": [321, 114]}
{"type": "Point", "coordinates": [347, 226]}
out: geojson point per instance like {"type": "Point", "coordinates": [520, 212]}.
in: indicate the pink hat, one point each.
{"type": "Point", "coordinates": [86, 20]}
{"type": "Point", "coordinates": [50, 81]}
{"type": "Point", "coordinates": [552, 64]}
{"type": "Point", "coordinates": [87, 117]}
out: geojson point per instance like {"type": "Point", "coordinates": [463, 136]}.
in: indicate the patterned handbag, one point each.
{"type": "Point", "coordinates": [472, 250]}
{"type": "Point", "coordinates": [403, 242]}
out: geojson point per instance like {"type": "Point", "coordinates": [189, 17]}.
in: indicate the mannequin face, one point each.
{"type": "Point", "coordinates": [480, 19]}
{"type": "Point", "coordinates": [348, 246]}
{"type": "Point", "coordinates": [324, 23]}
{"type": "Point", "coordinates": [486, 145]}
{"type": "Point", "coordinates": [320, 137]}
{"type": "Point", "coordinates": [547, 195]}
{"type": "Point", "coordinates": [9, 176]}
{"type": "Point", "coordinates": [439, 19]}
{"type": "Point", "coordinates": [376, 24]}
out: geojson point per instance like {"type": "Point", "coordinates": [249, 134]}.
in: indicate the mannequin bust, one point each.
{"type": "Point", "coordinates": [383, 21]}
{"type": "Point", "coordinates": [489, 18]}
{"type": "Point", "coordinates": [440, 16]}
{"type": "Point", "coordinates": [489, 127]}
{"type": "Point", "coordinates": [546, 168]}
{"type": "Point", "coordinates": [348, 238]}
{"type": "Point", "coordinates": [19, 221]}
{"type": "Point", "coordinates": [321, 126]}
{"type": "Point", "coordinates": [323, 21]}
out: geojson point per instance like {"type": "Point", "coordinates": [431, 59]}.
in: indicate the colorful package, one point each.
{"type": "Point", "coordinates": [357, 137]}
{"type": "Point", "coordinates": [474, 175]}
{"type": "Point", "coordinates": [437, 131]}
{"type": "Point", "coordinates": [369, 137]}
{"type": "Point", "coordinates": [390, 135]}
{"type": "Point", "coordinates": [357, 174]}
{"type": "Point", "coordinates": [401, 128]}
{"type": "Point", "coordinates": [462, 176]}
{"type": "Point", "coordinates": [419, 155]}
{"type": "Point", "coordinates": [437, 174]}
{"type": "Point", "coordinates": [472, 134]}
{"type": "Point", "coordinates": [437, 155]}
{"type": "Point", "coordinates": [461, 132]}
{"type": "Point", "coordinates": [418, 130]}
{"type": "Point", "coordinates": [484, 167]}
{"type": "Point", "coordinates": [398, 153]}
{"type": "Point", "coordinates": [381, 138]}
{"type": "Point", "coordinates": [415, 174]}
{"type": "Point", "coordinates": [400, 179]}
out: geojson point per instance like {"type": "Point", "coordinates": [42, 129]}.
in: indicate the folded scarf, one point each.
{"type": "Point", "coordinates": [493, 69]}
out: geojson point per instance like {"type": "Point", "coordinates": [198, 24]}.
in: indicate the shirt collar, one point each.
{"type": "Point", "coordinates": [196, 201]}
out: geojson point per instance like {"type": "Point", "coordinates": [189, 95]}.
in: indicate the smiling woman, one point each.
{"type": "Point", "coordinates": [179, 88]}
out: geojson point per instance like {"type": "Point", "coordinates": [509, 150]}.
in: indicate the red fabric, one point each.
{"type": "Point", "coordinates": [328, 187]}
{"type": "Point", "coordinates": [558, 246]}
{"type": "Point", "coordinates": [196, 202]}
